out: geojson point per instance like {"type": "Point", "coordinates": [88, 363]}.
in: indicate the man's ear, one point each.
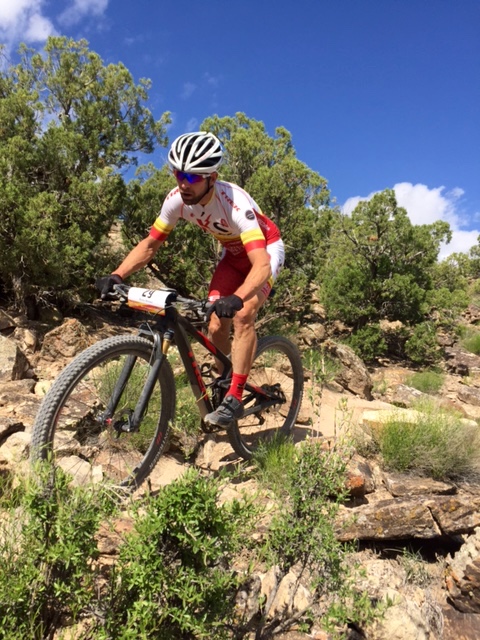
{"type": "Point", "coordinates": [213, 177]}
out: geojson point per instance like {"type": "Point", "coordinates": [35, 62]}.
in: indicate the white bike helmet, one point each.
{"type": "Point", "coordinates": [197, 152]}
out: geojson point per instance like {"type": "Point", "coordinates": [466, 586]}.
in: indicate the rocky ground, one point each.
{"type": "Point", "coordinates": [418, 540]}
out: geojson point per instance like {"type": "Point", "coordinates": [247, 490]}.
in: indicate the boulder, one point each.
{"type": "Point", "coordinates": [463, 576]}
{"type": "Point", "coordinates": [62, 344]}
{"type": "Point", "coordinates": [353, 374]}
{"type": "Point", "coordinates": [461, 362]}
{"type": "Point", "coordinates": [13, 362]}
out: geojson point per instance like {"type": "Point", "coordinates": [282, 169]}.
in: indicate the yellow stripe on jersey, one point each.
{"type": "Point", "coordinates": [221, 237]}
{"type": "Point", "coordinates": [252, 236]}
{"type": "Point", "coordinates": [162, 227]}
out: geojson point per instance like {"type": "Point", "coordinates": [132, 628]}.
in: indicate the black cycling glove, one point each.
{"type": "Point", "coordinates": [105, 284]}
{"type": "Point", "coordinates": [225, 307]}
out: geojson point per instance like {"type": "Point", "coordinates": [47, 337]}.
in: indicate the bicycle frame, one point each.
{"type": "Point", "coordinates": [182, 329]}
{"type": "Point", "coordinates": [174, 328]}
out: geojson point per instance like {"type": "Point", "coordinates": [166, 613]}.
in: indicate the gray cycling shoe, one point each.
{"type": "Point", "coordinates": [230, 409]}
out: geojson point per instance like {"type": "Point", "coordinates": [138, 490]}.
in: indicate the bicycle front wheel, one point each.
{"type": "Point", "coordinates": [82, 430]}
{"type": "Point", "coordinates": [277, 368]}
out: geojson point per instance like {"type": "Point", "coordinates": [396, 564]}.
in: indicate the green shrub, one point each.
{"type": "Point", "coordinates": [368, 342]}
{"type": "Point", "coordinates": [471, 342]}
{"type": "Point", "coordinates": [48, 546]}
{"type": "Point", "coordinates": [422, 347]}
{"type": "Point", "coordinates": [426, 381]}
{"type": "Point", "coordinates": [436, 444]}
{"type": "Point", "coordinates": [302, 531]}
{"type": "Point", "coordinates": [174, 578]}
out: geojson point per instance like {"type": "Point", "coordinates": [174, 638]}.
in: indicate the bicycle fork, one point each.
{"type": "Point", "coordinates": [131, 421]}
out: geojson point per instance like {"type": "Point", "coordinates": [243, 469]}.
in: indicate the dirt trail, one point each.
{"type": "Point", "coordinates": [338, 412]}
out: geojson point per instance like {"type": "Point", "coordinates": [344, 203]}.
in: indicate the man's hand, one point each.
{"type": "Point", "coordinates": [225, 307]}
{"type": "Point", "coordinates": [105, 284]}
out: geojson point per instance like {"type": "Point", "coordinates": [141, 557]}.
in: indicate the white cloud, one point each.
{"type": "Point", "coordinates": [23, 21]}
{"type": "Point", "coordinates": [11, 11]}
{"type": "Point", "coordinates": [188, 89]}
{"type": "Point", "coordinates": [192, 125]}
{"type": "Point", "coordinates": [461, 242]}
{"type": "Point", "coordinates": [27, 21]}
{"type": "Point", "coordinates": [39, 28]}
{"type": "Point", "coordinates": [80, 9]}
{"type": "Point", "coordinates": [211, 80]}
{"type": "Point", "coordinates": [425, 206]}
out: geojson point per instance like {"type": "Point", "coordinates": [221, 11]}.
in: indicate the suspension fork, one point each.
{"type": "Point", "coordinates": [158, 355]}
{"type": "Point", "coordinates": [160, 349]}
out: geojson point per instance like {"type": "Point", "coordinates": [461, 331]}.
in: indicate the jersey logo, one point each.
{"type": "Point", "coordinates": [204, 223]}
{"type": "Point", "coordinates": [230, 201]}
{"type": "Point", "coordinates": [249, 215]}
{"type": "Point", "coordinates": [220, 228]}
{"type": "Point", "coordinates": [172, 193]}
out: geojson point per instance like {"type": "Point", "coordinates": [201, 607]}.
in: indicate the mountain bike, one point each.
{"type": "Point", "coordinates": [108, 415]}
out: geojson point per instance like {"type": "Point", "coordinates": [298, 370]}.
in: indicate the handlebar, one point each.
{"type": "Point", "coordinates": [171, 298]}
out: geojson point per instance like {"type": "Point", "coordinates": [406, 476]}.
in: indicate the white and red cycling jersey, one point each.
{"type": "Point", "coordinates": [234, 218]}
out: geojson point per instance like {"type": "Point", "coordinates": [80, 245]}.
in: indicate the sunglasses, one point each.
{"type": "Point", "coordinates": [192, 178]}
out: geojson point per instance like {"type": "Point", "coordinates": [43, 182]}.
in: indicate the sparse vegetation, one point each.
{"type": "Point", "coordinates": [302, 534]}
{"type": "Point", "coordinates": [274, 461]}
{"type": "Point", "coordinates": [429, 381]}
{"type": "Point", "coordinates": [471, 342]}
{"type": "Point", "coordinates": [437, 444]}
{"type": "Point", "coordinates": [48, 551]}
{"type": "Point", "coordinates": [416, 568]}
{"type": "Point", "coordinates": [186, 429]}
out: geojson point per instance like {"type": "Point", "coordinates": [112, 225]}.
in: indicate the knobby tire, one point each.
{"type": "Point", "coordinates": [277, 365]}
{"type": "Point", "coordinates": [68, 430]}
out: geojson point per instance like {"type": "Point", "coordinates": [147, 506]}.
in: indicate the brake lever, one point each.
{"type": "Point", "coordinates": [120, 292]}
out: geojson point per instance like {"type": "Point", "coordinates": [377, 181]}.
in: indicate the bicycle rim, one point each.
{"type": "Point", "coordinates": [71, 429]}
{"type": "Point", "coordinates": [277, 368]}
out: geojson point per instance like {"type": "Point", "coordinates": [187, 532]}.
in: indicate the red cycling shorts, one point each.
{"type": "Point", "coordinates": [232, 270]}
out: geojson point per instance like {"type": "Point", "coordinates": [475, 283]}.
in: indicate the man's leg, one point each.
{"type": "Point", "coordinates": [243, 351]}
{"type": "Point", "coordinates": [244, 342]}
{"type": "Point", "coordinates": [225, 281]}
{"type": "Point", "coordinates": [219, 334]}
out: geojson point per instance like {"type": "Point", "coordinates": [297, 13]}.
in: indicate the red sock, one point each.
{"type": "Point", "coordinates": [237, 385]}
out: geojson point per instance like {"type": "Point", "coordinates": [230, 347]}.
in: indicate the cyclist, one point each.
{"type": "Point", "coordinates": [252, 254]}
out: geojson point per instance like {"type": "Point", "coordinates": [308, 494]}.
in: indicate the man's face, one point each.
{"type": "Point", "coordinates": [193, 187]}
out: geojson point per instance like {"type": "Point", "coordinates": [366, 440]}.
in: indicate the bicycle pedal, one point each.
{"type": "Point", "coordinates": [211, 428]}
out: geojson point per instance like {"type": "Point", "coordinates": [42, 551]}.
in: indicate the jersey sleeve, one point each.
{"type": "Point", "coordinates": [253, 239]}
{"type": "Point", "coordinates": [168, 216]}
{"type": "Point", "coordinates": [256, 231]}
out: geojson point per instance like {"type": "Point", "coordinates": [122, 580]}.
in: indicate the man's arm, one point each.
{"type": "Point", "coordinates": [258, 275]}
{"type": "Point", "coordinates": [138, 257]}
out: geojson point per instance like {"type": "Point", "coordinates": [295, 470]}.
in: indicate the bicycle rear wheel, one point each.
{"type": "Point", "coordinates": [277, 368]}
{"type": "Point", "coordinates": [73, 431]}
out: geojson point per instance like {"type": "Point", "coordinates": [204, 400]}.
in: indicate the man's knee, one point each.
{"type": "Point", "coordinates": [219, 327]}
{"type": "Point", "coordinates": [245, 317]}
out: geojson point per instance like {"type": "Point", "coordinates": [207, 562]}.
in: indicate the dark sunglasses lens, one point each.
{"type": "Point", "coordinates": [192, 178]}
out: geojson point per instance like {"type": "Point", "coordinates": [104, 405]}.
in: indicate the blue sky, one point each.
{"type": "Point", "coordinates": [376, 93]}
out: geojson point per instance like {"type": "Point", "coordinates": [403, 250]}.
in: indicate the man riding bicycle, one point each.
{"type": "Point", "coordinates": [252, 254]}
